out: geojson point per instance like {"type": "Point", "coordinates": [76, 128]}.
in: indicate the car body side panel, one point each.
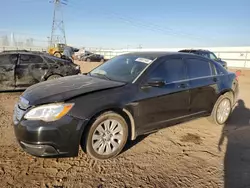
{"type": "Point", "coordinates": [59, 67]}
{"type": "Point", "coordinates": [91, 104]}
{"type": "Point", "coordinates": [134, 100]}
{"type": "Point", "coordinates": [159, 106]}
{"type": "Point", "coordinates": [29, 73]}
{"type": "Point", "coordinates": [7, 74]}
{"type": "Point", "coordinates": [226, 80]}
{"type": "Point", "coordinates": [203, 94]}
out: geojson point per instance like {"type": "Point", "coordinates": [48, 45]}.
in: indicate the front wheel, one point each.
{"type": "Point", "coordinates": [222, 109]}
{"type": "Point", "coordinates": [106, 137]}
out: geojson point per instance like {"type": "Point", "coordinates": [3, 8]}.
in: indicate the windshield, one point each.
{"type": "Point", "coordinates": [123, 68]}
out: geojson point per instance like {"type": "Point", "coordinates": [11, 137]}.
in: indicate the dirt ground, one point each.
{"type": "Point", "coordinates": [194, 154]}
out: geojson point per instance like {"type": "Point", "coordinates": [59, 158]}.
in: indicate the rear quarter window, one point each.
{"type": "Point", "coordinates": [198, 68]}
{"type": "Point", "coordinates": [49, 60]}
{"type": "Point", "coordinates": [219, 69]}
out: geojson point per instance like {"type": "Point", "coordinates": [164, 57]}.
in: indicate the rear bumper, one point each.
{"type": "Point", "coordinates": [236, 93]}
{"type": "Point", "coordinates": [54, 139]}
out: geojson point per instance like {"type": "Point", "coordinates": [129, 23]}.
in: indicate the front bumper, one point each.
{"type": "Point", "coordinates": [49, 139]}
{"type": "Point", "coordinates": [39, 150]}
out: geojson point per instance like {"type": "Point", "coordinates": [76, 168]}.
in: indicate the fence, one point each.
{"type": "Point", "coordinates": [7, 48]}
{"type": "Point", "coordinates": [234, 59]}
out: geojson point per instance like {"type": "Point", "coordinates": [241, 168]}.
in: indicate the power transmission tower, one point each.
{"type": "Point", "coordinates": [58, 30]}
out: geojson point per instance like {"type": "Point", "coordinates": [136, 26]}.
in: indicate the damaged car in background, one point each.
{"type": "Point", "coordinates": [21, 69]}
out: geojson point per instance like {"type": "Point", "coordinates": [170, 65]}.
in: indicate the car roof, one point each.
{"type": "Point", "coordinates": [154, 54]}
{"type": "Point", "coordinates": [24, 52]}
{"type": "Point", "coordinates": [194, 50]}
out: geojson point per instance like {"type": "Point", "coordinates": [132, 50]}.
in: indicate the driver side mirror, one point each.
{"type": "Point", "coordinates": [155, 82]}
{"type": "Point", "coordinates": [219, 59]}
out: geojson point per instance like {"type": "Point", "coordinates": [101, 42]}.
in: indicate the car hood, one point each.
{"type": "Point", "coordinates": [65, 88]}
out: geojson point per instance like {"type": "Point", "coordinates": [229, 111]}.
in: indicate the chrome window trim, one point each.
{"type": "Point", "coordinates": [143, 71]}
{"type": "Point", "coordinates": [210, 76]}
{"type": "Point", "coordinates": [186, 80]}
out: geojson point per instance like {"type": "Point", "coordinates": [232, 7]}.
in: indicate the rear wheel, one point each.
{"type": "Point", "coordinates": [58, 54]}
{"type": "Point", "coordinates": [53, 77]}
{"type": "Point", "coordinates": [222, 109]}
{"type": "Point", "coordinates": [102, 61]}
{"type": "Point", "coordinates": [106, 137]}
{"type": "Point", "coordinates": [88, 60]}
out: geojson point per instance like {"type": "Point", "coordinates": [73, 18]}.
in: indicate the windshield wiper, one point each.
{"type": "Point", "coordinates": [102, 75]}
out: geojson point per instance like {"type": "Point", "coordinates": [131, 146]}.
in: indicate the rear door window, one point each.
{"type": "Point", "coordinates": [8, 59]}
{"type": "Point", "coordinates": [28, 59]}
{"type": "Point", "coordinates": [198, 68]}
{"type": "Point", "coordinates": [170, 70]}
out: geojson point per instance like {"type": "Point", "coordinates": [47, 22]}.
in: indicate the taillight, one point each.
{"type": "Point", "coordinates": [237, 74]}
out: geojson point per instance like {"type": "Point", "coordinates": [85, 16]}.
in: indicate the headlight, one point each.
{"type": "Point", "coordinates": [77, 67]}
{"type": "Point", "coordinates": [50, 112]}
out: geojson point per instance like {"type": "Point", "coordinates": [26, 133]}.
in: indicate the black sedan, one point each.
{"type": "Point", "coordinates": [207, 54]}
{"type": "Point", "coordinates": [129, 95]}
{"type": "Point", "coordinates": [21, 69]}
{"type": "Point", "coordinates": [92, 57]}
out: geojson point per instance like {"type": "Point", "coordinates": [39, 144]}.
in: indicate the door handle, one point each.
{"type": "Point", "coordinates": [215, 79]}
{"type": "Point", "coordinates": [182, 85]}
{"type": "Point", "coordinates": [43, 68]}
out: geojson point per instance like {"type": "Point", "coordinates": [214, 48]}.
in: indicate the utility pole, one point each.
{"type": "Point", "coordinates": [58, 30]}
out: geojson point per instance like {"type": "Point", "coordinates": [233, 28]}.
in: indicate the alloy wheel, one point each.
{"type": "Point", "coordinates": [107, 137]}
{"type": "Point", "coordinates": [223, 110]}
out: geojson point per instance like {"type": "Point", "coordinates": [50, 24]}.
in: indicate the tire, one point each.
{"type": "Point", "coordinates": [88, 60]}
{"type": "Point", "coordinates": [115, 137]}
{"type": "Point", "coordinates": [217, 112]}
{"type": "Point", "coordinates": [58, 54]}
{"type": "Point", "coordinates": [102, 61]}
{"type": "Point", "coordinates": [53, 77]}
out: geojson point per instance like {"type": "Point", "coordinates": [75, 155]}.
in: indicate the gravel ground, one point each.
{"type": "Point", "coordinates": [185, 155]}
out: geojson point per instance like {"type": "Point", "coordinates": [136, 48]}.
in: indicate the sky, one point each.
{"type": "Point", "coordinates": [133, 23]}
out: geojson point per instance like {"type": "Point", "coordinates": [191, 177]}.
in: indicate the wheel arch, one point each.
{"type": "Point", "coordinates": [47, 77]}
{"type": "Point", "coordinates": [223, 92]}
{"type": "Point", "coordinates": [57, 52]}
{"type": "Point", "coordinates": [122, 112]}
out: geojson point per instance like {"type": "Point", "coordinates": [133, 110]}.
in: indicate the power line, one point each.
{"type": "Point", "coordinates": [136, 23]}
{"type": "Point", "coordinates": [147, 25]}
{"type": "Point", "coordinates": [58, 31]}
{"type": "Point", "coordinates": [131, 21]}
